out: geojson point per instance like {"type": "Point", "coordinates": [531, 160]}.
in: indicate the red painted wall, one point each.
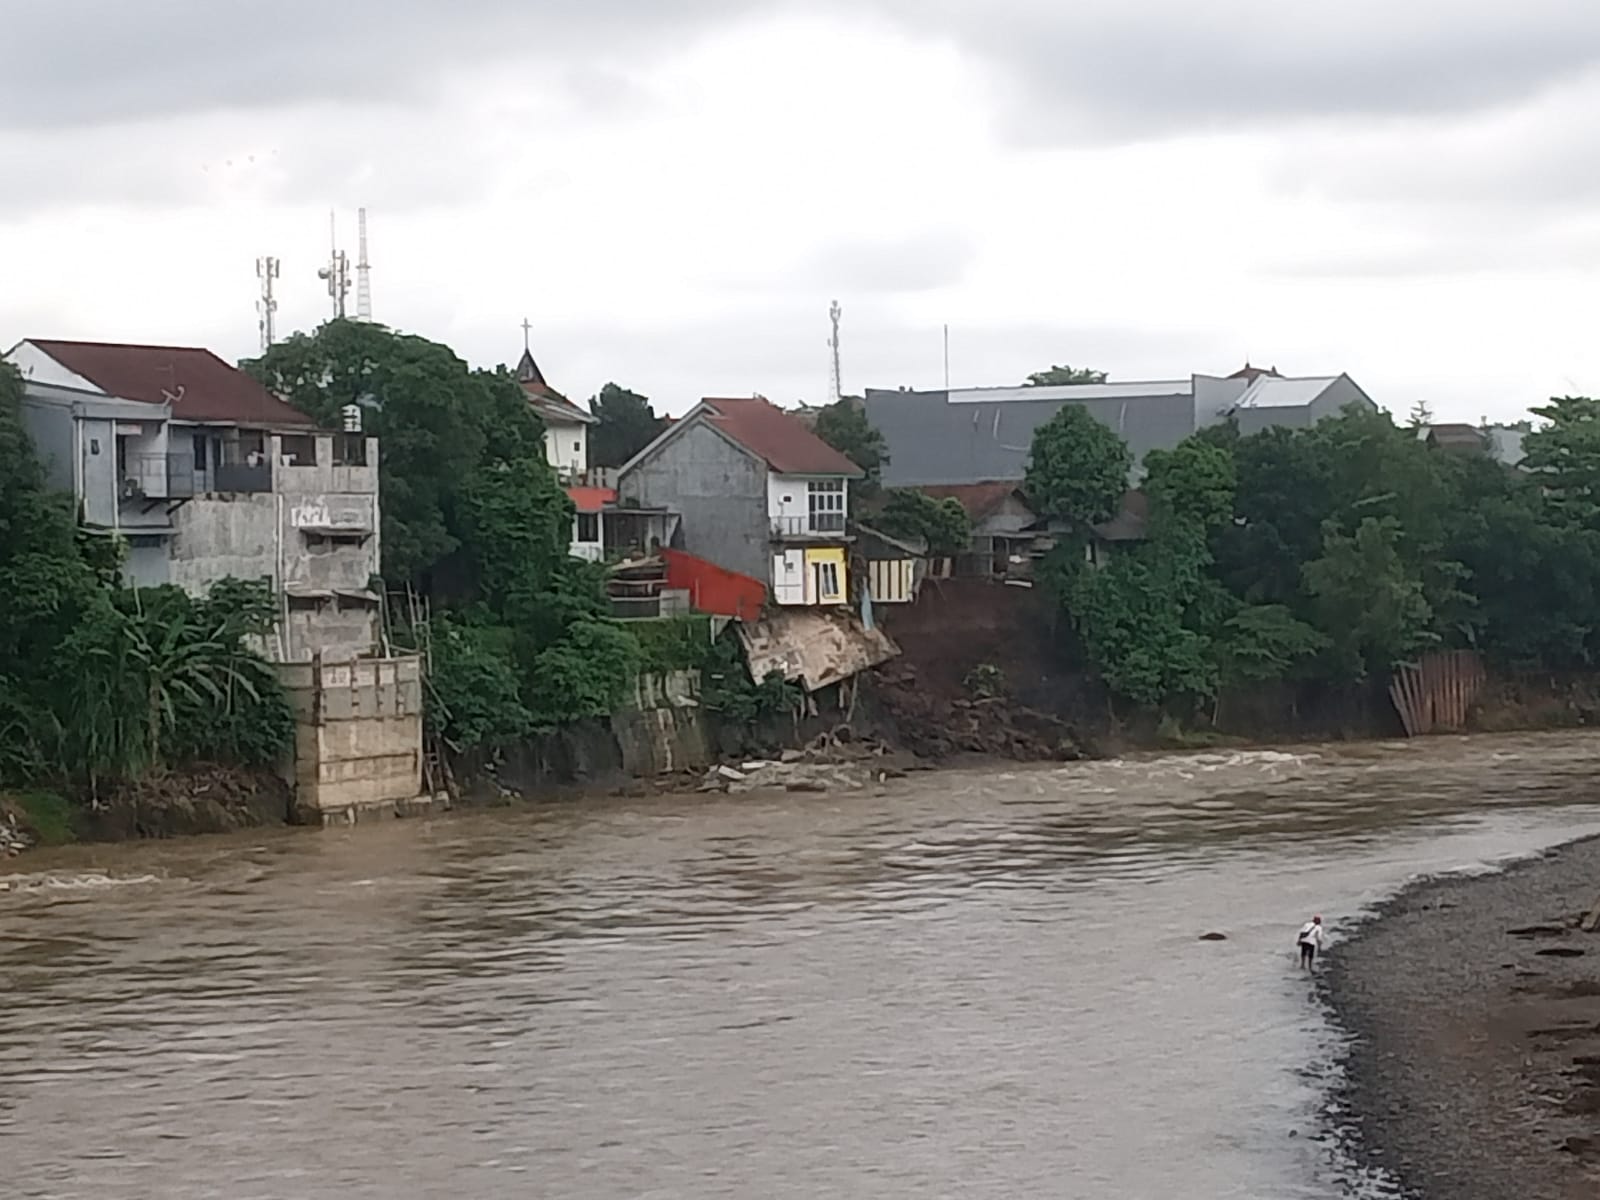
{"type": "Point", "coordinates": [715, 590]}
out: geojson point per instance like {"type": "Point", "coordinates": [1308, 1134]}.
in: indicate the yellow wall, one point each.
{"type": "Point", "coordinates": [815, 558]}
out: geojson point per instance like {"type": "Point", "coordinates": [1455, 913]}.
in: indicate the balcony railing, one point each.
{"type": "Point", "coordinates": [158, 477]}
{"type": "Point", "coordinates": [820, 524]}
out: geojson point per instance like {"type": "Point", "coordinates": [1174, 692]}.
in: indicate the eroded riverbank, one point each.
{"type": "Point", "coordinates": [1473, 1004]}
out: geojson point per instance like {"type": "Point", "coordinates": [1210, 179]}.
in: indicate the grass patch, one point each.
{"type": "Point", "coordinates": [46, 815]}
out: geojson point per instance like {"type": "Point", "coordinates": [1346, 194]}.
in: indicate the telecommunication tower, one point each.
{"type": "Point", "coordinates": [337, 273]}
{"type": "Point", "coordinates": [363, 271]}
{"type": "Point", "coordinates": [835, 383]}
{"type": "Point", "coordinates": [267, 306]}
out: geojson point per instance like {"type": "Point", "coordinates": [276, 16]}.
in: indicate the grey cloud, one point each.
{"type": "Point", "coordinates": [1108, 69]}
{"type": "Point", "coordinates": [1087, 70]}
{"type": "Point", "coordinates": [101, 61]}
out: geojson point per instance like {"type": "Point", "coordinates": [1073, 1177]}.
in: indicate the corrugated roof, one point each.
{"type": "Point", "coordinates": [931, 440]}
{"type": "Point", "coordinates": [198, 384]}
{"type": "Point", "coordinates": [769, 433]}
{"type": "Point", "coordinates": [1073, 391]}
{"type": "Point", "coordinates": [1274, 391]}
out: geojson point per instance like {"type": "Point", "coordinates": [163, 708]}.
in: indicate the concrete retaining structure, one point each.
{"type": "Point", "coordinates": [358, 737]}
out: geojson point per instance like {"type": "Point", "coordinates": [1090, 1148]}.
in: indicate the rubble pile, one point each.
{"type": "Point", "coordinates": [942, 727]}
{"type": "Point", "coordinates": [834, 762]}
{"type": "Point", "coordinates": [13, 838]}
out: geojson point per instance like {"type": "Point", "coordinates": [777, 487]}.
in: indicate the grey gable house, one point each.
{"type": "Point", "coordinates": [983, 435]}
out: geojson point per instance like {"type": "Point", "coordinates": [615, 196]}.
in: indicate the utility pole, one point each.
{"type": "Point", "coordinates": [267, 305]}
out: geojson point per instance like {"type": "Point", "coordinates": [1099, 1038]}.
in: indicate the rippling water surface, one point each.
{"type": "Point", "coordinates": [976, 984]}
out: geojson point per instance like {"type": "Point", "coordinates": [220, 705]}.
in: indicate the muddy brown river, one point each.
{"type": "Point", "coordinates": [977, 984]}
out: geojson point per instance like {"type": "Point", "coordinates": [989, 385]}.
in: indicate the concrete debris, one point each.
{"type": "Point", "coordinates": [833, 762]}
{"type": "Point", "coordinates": [13, 838]}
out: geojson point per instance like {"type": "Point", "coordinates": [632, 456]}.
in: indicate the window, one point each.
{"type": "Point", "coordinates": [826, 502]}
{"type": "Point", "coordinates": [350, 450]}
{"type": "Point", "coordinates": [145, 541]}
{"type": "Point", "coordinates": [588, 527]}
{"type": "Point", "coordinates": [827, 581]}
{"type": "Point", "coordinates": [199, 452]}
{"type": "Point", "coordinates": [298, 449]}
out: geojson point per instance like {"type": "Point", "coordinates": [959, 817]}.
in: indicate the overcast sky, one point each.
{"type": "Point", "coordinates": [672, 191]}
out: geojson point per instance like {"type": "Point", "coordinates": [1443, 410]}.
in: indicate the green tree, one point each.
{"type": "Point", "coordinates": [474, 693]}
{"type": "Point", "coordinates": [1565, 453]}
{"type": "Point", "coordinates": [1367, 600]}
{"type": "Point", "coordinates": [844, 426]}
{"type": "Point", "coordinates": [1063, 375]}
{"type": "Point", "coordinates": [1149, 618]}
{"type": "Point", "coordinates": [942, 524]}
{"type": "Point", "coordinates": [625, 425]}
{"type": "Point", "coordinates": [437, 422]}
{"type": "Point", "coordinates": [49, 589]}
{"type": "Point", "coordinates": [584, 675]}
{"type": "Point", "coordinates": [1078, 468]}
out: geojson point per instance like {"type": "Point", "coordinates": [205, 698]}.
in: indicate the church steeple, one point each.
{"type": "Point", "coordinates": [527, 370]}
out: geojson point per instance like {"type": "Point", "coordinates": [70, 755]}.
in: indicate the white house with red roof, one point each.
{"type": "Point", "coordinates": [756, 493]}
{"type": "Point", "coordinates": [204, 474]}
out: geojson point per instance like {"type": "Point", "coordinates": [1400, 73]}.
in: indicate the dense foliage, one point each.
{"type": "Point", "coordinates": [844, 426]}
{"type": "Point", "coordinates": [474, 516]}
{"type": "Point", "coordinates": [626, 424]}
{"type": "Point", "coordinates": [1331, 553]}
{"type": "Point", "coordinates": [942, 524]}
{"type": "Point", "coordinates": [1077, 468]}
{"type": "Point", "coordinates": [1058, 375]}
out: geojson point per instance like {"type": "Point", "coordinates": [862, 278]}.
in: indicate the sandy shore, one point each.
{"type": "Point", "coordinates": [1473, 1005]}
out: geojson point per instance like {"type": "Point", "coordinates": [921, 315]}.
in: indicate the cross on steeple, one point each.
{"type": "Point", "coordinates": [527, 330]}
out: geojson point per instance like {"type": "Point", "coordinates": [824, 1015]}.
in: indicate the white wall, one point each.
{"type": "Point", "coordinates": [38, 366]}
{"type": "Point", "coordinates": [789, 577]}
{"type": "Point", "coordinates": [566, 446]}
{"type": "Point", "coordinates": [789, 498]}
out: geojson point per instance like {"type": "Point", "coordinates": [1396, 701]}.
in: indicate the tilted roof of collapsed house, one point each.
{"type": "Point", "coordinates": [979, 435]}
{"type": "Point", "coordinates": [545, 400]}
{"type": "Point", "coordinates": [762, 430]}
{"type": "Point", "coordinates": [197, 384]}
{"type": "Point", "coordinates": [1129, 523]}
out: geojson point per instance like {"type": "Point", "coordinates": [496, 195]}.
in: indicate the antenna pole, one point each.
{"type": "Point", "coordinates": [835, 382]}
{"type": "Point", "coordinates": [947, 357]}
{"type": "Point", "coordinates": [267, 306]}
{"type": "Point", "coordinates": [363, 272]}
{"type": "Point", "coordinates": [337, 272]}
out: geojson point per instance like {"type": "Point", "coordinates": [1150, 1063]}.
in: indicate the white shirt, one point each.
{"type": "Point", "coordinates": [1311, 932]}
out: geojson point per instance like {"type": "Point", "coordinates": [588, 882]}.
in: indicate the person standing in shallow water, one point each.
{"type": "Point", "coordinates": [1310, 941]}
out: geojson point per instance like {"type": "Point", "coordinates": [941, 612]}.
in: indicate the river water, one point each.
{"type": "Point", "coordinates": [976, 984]}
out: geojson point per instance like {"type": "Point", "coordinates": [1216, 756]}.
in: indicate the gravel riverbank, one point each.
{"type": "Point", "coordinates": [1473, 1005]}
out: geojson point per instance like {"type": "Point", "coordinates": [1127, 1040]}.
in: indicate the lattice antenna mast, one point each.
{"type": "Point", "coordinates": [267, 306]}
{"type": "Point", "coordinates": [363, 272]}
{"type": "Point", "coordinates": [835, 381]}
{"type": "Point", "coordinates": [337, 272]}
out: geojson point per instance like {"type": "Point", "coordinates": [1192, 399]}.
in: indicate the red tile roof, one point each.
{"type": "Point", "coordinates": [979, 499]}
{"type": "Point", "coordinates": [769, 433]}
{"type": "Point", "coordinates": [591, 499]}
{"type": "Point", "coordinates": [200, 385]}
